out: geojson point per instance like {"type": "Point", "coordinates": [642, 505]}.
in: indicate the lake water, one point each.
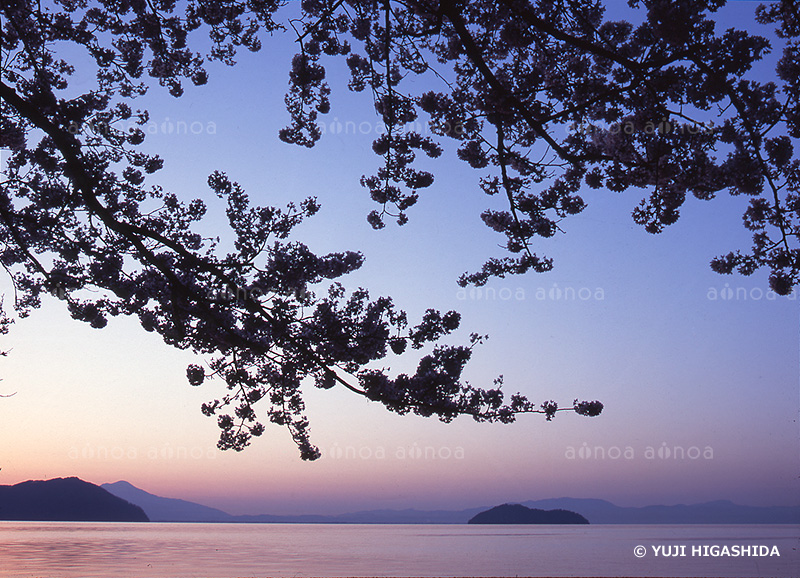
{"type": "Point", "coordinates": [118, 550]}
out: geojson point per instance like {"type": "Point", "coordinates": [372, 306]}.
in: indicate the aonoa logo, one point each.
{"type": "Point", "coordinates": [662, 452]}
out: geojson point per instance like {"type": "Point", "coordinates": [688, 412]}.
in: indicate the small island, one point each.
{"type": "Point", "coordinates": [519, 514]}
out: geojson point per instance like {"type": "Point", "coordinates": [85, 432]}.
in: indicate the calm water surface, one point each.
{"type": "Point", "coordinates": [100, 550]}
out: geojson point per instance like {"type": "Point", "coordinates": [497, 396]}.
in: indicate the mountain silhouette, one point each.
{"type": "Point", "coordinates": [519, 514]}
{"type": "Point", "coordinates": [714, 512]}
{"type": "Point", "coordinates": [596, 511]}
{"type": "Point", "coordinates": [65, 500]}
{"type": "Point", "coordinates": [160, 509]}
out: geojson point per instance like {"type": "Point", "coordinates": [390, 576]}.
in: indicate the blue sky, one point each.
{"type": "Point", "coordinates": [683, 358]}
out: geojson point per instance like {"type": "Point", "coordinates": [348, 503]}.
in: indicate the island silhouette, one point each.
{"type": "Point", "coordinates": [519, 514]}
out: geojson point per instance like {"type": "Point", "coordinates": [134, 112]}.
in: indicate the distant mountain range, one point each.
{"type": "Point", "coordinates": [160, 509]}
{"type": "Point", "coordinates": [166, 509]}
{"type": "Point", "coordinates": [716, 512]}
{"type": "Point", "coordinates": [72, 499]}
{"type": "Point", "coordinates": [65, 500]}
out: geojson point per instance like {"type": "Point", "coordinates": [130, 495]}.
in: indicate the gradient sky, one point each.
{"type": "Point", "coordinates": [675, 367]}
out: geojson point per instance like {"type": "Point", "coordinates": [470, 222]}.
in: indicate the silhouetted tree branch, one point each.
{"type": "Point", "coordinates": [79, 221]}
{"type": "Point", "coordinates": [655, 106]}
{"type": "Point", "coordinates": [548, 98]}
